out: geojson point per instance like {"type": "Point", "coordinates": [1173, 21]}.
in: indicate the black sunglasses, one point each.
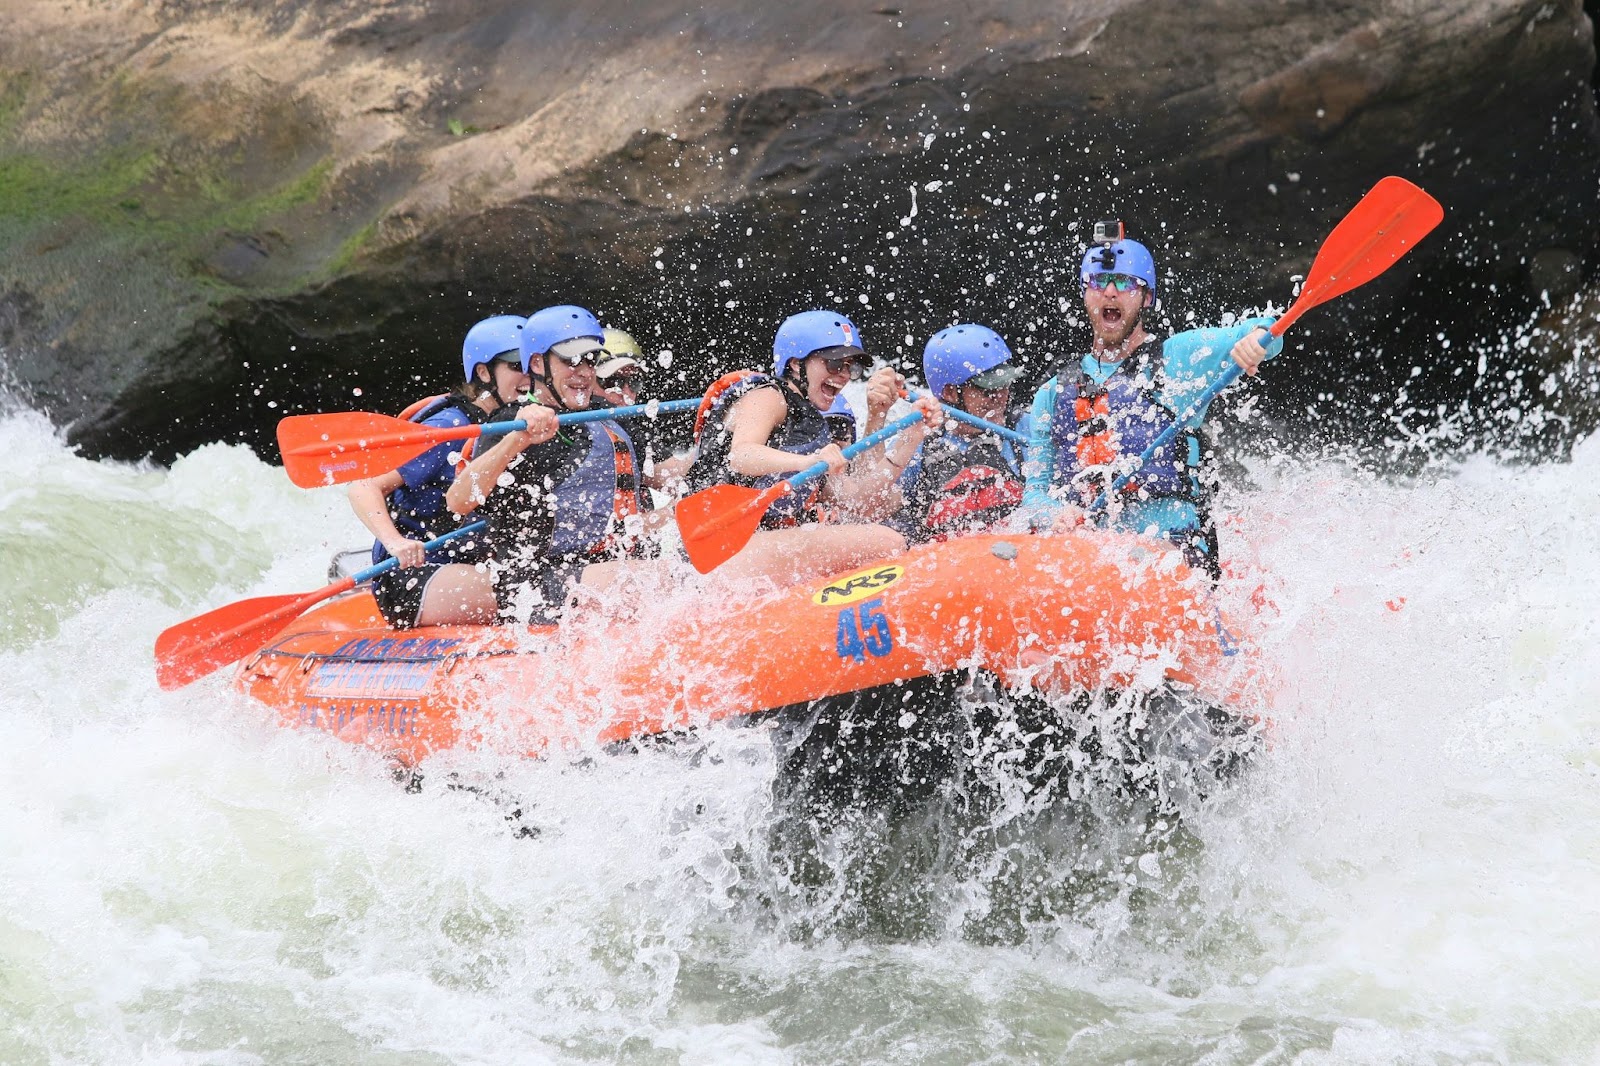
{"type": "Point", "coordinates": [593, 358]}
{"type": "Point", "coordinates": [858, 365]}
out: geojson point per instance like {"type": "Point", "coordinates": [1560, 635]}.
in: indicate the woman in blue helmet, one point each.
{"type": "Point", "coordinates": [764, 428]}
{"type": "Point", "coordinates": [1103, 408]}
{"type": "Point", "coordinates": [966, 479]}
{"type": "Point", "coordinates": [406, 507]}
{"type": "Point", "coordinates": [562, 503]}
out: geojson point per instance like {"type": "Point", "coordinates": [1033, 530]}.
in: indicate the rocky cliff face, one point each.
{"type": "Point", "coordinates": [214, 212]}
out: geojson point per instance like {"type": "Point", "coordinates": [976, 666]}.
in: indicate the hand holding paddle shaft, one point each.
{"type": "Point", "coordinates": [1385, 225]}
{"type": "Point", "coordinates": [717, 522]}
{"type": "Point", "coordinates": [332, 449]}
{"type": "Point", "coordinates": [190, 650]}
{"type": "Point", "coordinates": [952, 411]}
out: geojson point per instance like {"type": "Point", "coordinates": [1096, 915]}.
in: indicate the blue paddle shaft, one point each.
{"type": "Point", "coordinates": [816, 470]}
{"type": "Point", "coordinates": [599, 414]}
{"type": "Point", "coordinates": [390, 563]}
{"type": "Point", "coordinates": [973, 420]}
{"type": "Point", "coordinates": [1229, 376]}
{"type": "Point", "coordinates": [982, 423]}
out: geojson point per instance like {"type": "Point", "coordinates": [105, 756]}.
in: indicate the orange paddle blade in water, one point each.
{"type": "Point", "coordinates": [717, 522]}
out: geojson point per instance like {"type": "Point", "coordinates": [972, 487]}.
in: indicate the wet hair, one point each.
{"type": "Point", "coordinates": [795, 373]}
{"type": "Point", "coordinates": [476, 387]}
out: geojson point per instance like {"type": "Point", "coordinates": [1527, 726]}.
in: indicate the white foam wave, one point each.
{"type": "Point", "coordinates": [1409, 875]}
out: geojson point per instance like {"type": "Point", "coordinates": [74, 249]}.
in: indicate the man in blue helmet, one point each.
{"type": "Point", "coordinates": [405, 507]}
{"type": "Point", "coordinates": [966, 479]}
{"type": "Point", "coordinates": [1103, 408]}
{"type": "Point", "coordinates": [562, 503]}
{"type": "Point", "coordinates": [757, 429]}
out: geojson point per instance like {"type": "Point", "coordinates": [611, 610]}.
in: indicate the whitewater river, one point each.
{"type": "Point", "coordinates": [1410, 875]}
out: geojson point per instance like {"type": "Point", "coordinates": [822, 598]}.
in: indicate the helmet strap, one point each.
{"type": "Point", "coordinates": [550, 386]}
{"type": "Point", "coordinates": [497, 394]}
{"type": "Point", "coordinates": [1138, 324]}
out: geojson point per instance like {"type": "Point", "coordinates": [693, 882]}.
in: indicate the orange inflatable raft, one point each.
{"type": "Point", "coordinates": [1054, 615]}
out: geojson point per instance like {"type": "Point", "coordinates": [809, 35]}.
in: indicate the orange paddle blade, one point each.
{"type": "Point", "coordinates": [190, 650]}
{"type": "Point", "coordinates": [333, 449]}
{"type": "Point", "coordinates": [1385, 225]}
{"type": "Point", "coordinates": [716, 522]}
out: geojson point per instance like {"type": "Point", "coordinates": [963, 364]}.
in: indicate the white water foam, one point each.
{"type": "Point", "coordinates": [1409, 874]}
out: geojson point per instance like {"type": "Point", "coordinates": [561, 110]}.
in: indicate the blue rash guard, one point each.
{"type": "Point", "coordinates": [1190, 361]}
{"type": "Point", "coordinates": [417, 506]}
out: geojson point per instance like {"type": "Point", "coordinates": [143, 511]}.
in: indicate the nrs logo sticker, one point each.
{"type": "Point", "coordinates": [857, 586]}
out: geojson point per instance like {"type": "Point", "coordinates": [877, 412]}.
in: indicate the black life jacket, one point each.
{"type": "Point", "coordinates": [803, 431]}
{"type": "Point", "coordinates": [962, 491]}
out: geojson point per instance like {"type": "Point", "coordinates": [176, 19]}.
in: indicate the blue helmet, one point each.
{"type": "Point", "coordinates": [551, 326]}
{"type": "Point", "coordinates": [963, 352]}
{"type": "Point", "coordinates": [841, 419]}
{"type": "Point", "coordinates": [1123, 257]}
{"type": "Point", "coordinates": [489, 338]}
{"type": "Point", "coordinates": [811, 331]}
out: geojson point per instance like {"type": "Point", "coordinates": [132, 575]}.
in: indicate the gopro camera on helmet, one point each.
{"type": "Point", "coordinates": [1108, 232]}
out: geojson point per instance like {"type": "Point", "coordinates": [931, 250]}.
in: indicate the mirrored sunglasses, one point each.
{"type": "Point", "coordinates": [1119, 282]}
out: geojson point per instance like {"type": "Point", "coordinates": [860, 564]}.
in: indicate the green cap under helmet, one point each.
{"type": "Point", "coordinates": [621, 342]}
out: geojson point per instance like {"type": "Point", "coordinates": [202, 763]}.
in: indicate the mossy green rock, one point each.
{"type": "Point", "coordinates": [214, 213]}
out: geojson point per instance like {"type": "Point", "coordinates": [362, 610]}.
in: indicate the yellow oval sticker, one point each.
{"type": "Point", "coordinates": [857, 586]}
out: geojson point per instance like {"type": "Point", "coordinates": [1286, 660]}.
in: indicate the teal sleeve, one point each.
{"type": "Point", "coordinates": [1038, 459]}
{"type": "Point", "coordinates": [1197, 357]}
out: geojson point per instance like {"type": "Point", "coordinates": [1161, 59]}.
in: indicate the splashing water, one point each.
{"type": "Point", "coordinates": [1408, 874]}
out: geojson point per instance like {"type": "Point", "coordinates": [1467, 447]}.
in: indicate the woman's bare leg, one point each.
{"type": "Point", "coordinates": [600, 576]}
{"type": "Point", "coordinates": [787, 556]}
{"type": "Point", "coordinates": [458, 594]}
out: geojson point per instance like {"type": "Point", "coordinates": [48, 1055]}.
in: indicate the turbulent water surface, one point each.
{"type": "Point", "coordinates": [1408, 874]}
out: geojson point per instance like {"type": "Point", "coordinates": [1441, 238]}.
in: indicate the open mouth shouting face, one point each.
{"type": "Point", "coordinates": [830, 370]}
{"type": "Point", "coordinates": [1114, 302]}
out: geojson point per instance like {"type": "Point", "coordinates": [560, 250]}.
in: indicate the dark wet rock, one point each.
{"type": "Point", "coordinates": [213, 213]}
{"type": "Point", "coordinates": [1563, 388]}
{"type": "Point", "coordinates": [1555, 273]}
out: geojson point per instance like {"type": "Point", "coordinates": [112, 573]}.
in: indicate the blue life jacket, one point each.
{"type": "Point", "coordinates": [1099, 431]}
{"type": "Point", "coordinates": [803, 431]}
{"type": "Point", "coordinates": [592, 502]}
{"type": "Point", "coordinates": [417, 506]}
